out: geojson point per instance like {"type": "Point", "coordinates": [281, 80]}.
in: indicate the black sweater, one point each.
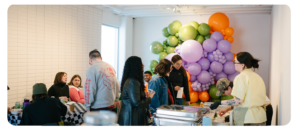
{"type": "Point", "coordinates": [43, 111]}
{"type": "Point", "coordinates": [58, 90]}
{"type": "Point", "coordinates": [177, 79]}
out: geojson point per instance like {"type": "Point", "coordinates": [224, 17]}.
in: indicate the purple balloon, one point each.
{"type": "Point", "coordinates": [193, 78]}
{"type": "Point", "coordinates": [203, 77]}
{"type": "Point", "coordinates": [228, 56]}
{"type": "Point", "coordinates": [194, 69]}
{"type": "Point", "coordinates": [232, 76]}
{"type": "Point", "coordinates": [169, 57]}
{"type": "Point", "coordinates": [224, 46]}
{"type": "Point", "coordinates": [209, 45]}
{"type": "Point", "coordinates": [204, 63]}
{"type": "Point", "coordinates": [229, 68]}
{"type": "Point", "coordinates": [216, 67]}
{"type": "Point", "coordinates": [221, 75]}
{"type": "Point", "coordinates": [210, 57]}
{"type": "Point", "coordinates": [217, 36]}
{"type": "Point", "coordinates": [191, 51]}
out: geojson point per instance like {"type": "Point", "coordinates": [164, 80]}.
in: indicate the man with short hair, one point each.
{"type": "Point", "coordinates": [147, 76]}
{"type": "Point", "coordinates": [102, 86]}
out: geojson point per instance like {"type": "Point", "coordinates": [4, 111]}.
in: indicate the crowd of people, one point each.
{"type": "Point", "coordinates": [142, 93]}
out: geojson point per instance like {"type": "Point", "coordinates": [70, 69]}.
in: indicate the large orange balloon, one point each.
{"type": "Point", "coordinates": [218, 22]}
{"type": "Point", "coordinates": [233, 57]}
{"type": "Point", "coordinates": [229, 31]}
{"type": "Point", "coordinates": [188, 75]}
{"type": "Point", "coordinates": [230, 39]}
{"type": "Point", "coordinates": [194, 97]}
{"type": "Point", "coordinates": [203, 96]}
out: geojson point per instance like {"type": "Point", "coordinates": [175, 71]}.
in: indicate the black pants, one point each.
{"type": "Point", "coordinates": [269, 112]}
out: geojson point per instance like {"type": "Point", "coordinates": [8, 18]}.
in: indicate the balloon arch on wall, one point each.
{"type": "Point", "coordinates": [205, 51]}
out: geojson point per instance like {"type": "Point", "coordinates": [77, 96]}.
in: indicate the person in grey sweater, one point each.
{"type": "Point", "coordinates": [101, 86]}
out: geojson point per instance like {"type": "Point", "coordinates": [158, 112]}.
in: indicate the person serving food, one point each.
{"type": "Point", "coordinates": [249, 93]}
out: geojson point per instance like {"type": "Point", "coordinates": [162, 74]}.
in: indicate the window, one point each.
{"type": "Point", "coordinates": [109, 45]}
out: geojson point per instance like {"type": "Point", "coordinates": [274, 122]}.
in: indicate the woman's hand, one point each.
{"type": "Point", "coordinates": [63, 97]}
{"type": "Point", "coordinates": [177, 88]}
{"type": "Point", "coordinates": [188, 103]}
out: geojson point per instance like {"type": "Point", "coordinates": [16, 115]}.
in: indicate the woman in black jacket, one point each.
{"type": "Point", "coordinates": [178, 78]}
{"type": "Point", "coordinates": [42, 110]}
{"type": "Point", "coordinates": [134, 100]}
{"type": "Point", "coordinates": [59, 89]}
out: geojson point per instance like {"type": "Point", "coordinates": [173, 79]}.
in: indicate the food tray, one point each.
{"type": "Point", "coordinates": [173, 122]}
{"type": "Point", "coordinates": [178, 110]}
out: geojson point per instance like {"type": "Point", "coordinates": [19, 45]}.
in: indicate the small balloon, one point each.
{"type": "Point", "coordinates": [216, 67]}
{"type": "Point", "coordinates": [217, 36]}
{"type": "Point", "coordinates": [224, 46]}
{"type": "Point", "coordinates": [230, 39]}
{"type": "Point", "coordinates": [204, 63]}
{"type": "Point", "coordinates": [156, 47]}
{"type": "Point", "coordinates": [229, 31]}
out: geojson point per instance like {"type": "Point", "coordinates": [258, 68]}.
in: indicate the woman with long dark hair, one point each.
{"type": "Point", "coordinates": [179, 79]}
{"type": "Point", "coordinates": [134, 100]}
{"type": "Point", "coordinates": [59, 89]}
{"type": "Point", "coordinates": [161, 84]}
{"type": "Point", "coordinates": [249, 93]}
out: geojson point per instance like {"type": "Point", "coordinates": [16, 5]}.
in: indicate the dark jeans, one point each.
{"type": "Point", "coordinates": [178, 101]}
{"type": "Point", "coordinates": [269, 112]}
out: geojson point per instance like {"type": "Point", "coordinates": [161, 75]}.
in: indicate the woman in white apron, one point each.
{"type": "Point", "coordinates": [249, 93]}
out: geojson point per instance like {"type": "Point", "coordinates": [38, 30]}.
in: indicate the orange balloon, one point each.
{"type": "Point", "coordinates": [183, 96]}
{"type": "Point", "coordinates": [223, 32]}
{"type": "Point", "coordinates": [188, 76]}
{"type": "Point", "coordinates": [233, 57]}
{"type": "Point", "coordinates": [203, 96]}
{"type": "Point", "coordinates": [194, 97]}
{"type": "Point", "coordinates": [190, 87]}
{"type": "Point", "coordinates": [146, 87]}
{"type": "Point", "coordinates": [229, 31]}
{"type": "Point", "coordinates": [230, 39]}
{"type": "Point", "coordinates": [218, 22]}
{"type": "Point", "coordinates": [225, 37]}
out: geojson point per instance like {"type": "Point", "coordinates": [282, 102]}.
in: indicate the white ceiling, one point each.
{"type": "Point", "coordinates": [171, 10]}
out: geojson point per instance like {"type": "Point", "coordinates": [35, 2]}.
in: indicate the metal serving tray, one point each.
{"type": "Point", "coordinates": [173, 122]}
{"type": "Point", "coordinates": [180, 111]}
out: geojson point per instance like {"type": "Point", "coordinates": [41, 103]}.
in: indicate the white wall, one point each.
{"type": "Point", "coordinates": [111, 19]}
{"type": "Point", "coordinates": [280, 73]}
{"type": "Point", "coordinates": [125, 43]}
{"type": "Point", "coordinates": [252, 34]}
{"type": "Point", "coordinates": [44, 40]}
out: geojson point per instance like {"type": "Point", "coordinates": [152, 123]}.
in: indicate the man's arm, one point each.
{"type": "Point", "coordinates": [232, 102]}
{"type": "Point", "coordinates": [90, 88]}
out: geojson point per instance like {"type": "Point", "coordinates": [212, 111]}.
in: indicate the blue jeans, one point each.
{"type": "Point", "coordinates": [178, 101]}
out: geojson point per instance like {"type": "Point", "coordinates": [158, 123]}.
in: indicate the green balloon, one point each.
{"type": "Point", "coordinates": [152, 64]}
{"type": "Point", "coordinates": [165, 42]}
{"type": "Point", "coordinates": [200, 39]}
{"type": "Point", "coordinates": [170, 50]}
{"type": "Point", "coordinates": [212, 92]}
{"type": "Point", "coordinates": [226, 97]}
{"type": "Point", "coordinates": [162, 55]}
{"type": "Point", "coordinates": [204, 29]}
{"type": "Point", "coordinates": [187, 32]}
{"type": "Point", "coordinates": [194, 24]}
{"type": "Point", "coordinates": [165, 32]}
{"type": "Point", "coordinates": [172, 41]}
{"type": "Point", "coordinates": [177, 35]}
{"type": "Point", "coordinates": [174, 27]}
{"type": "Point", "coordinates": [156, 47]}
{"type": "Point", "coordinates": [207, 36]}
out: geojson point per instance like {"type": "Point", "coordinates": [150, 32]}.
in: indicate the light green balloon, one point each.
{"type": "Point", "coordinates": [194, 24]}
{"type": "Point", "coordinates": [165, 32]}
{"type": "Point", "coordinates": [174, 27]}
{"type": "Point", "coordinates": [152, 64]}
{"type": "Point", "coordinates": [170, 50]}
{"type": "Point", "coordinates": [204, 29]}
{"type": "Point", "coordinates": [162, 55]}
{"type": "Point", "coordinates": [207, 36]}
{"type": "Point", "coordinates": [177, 35]}
{"type": "Point", "coordinates": [187, 32]}
{"type": "Point", "coordinates": [156, 47]}
{"type": "Point", "coordinates": [172, 41]}
{"type": "Point", "coordinates": [200, 39]}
